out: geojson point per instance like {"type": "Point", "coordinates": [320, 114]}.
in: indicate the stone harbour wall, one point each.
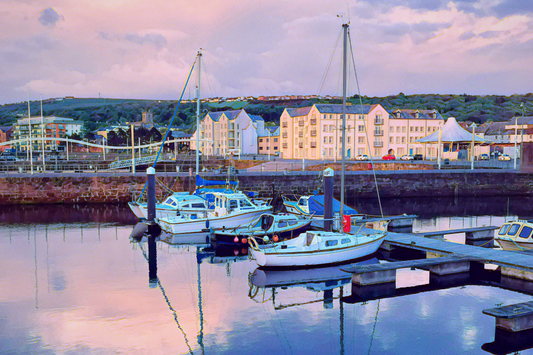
{"type": "Point", "coordinates": [118, 187]}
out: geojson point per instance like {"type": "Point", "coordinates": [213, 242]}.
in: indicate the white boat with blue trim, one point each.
{"type": "Point", "coordinates": [516, 236]}
{"type": "Point", "coordinates": [229, 211]}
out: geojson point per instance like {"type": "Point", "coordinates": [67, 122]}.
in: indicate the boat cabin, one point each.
{"type": "Point", "coordinates": [185, 201]}
{"type": "Point", "coordinates": [281, 221]}
{"type": "Point", "coordinates": [516, 230]}
{"type": "Point", "coordinates": [226, 203]}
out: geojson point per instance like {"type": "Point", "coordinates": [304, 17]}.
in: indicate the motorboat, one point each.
{"type": "Point", "coordinates": [314, 248]}
{"type": "Point", "coordinates": [177, 201]}
{"type": "Point", "coordinates": [275, 227]}
{"type": "Point", "coordinates": [516, 235]}
{"type": "Point", "coordinates": [229, 211]}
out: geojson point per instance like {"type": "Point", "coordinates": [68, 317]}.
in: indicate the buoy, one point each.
{"type": "Point", "coordinates": [236, 240]}
{"type": "Point", "coordinates": [265, 239]}
{"type": "Point", "coordinates": [235, 252]}
{"type": "Point", "coordinates": [275, 238]}
{"type": "Point", "coordinates": [244, 251]}
{"type": "Point", "coordinates": [244, 240]}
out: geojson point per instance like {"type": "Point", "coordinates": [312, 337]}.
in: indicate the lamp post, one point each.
{"type": "Point", "coordinates": [515, 139]}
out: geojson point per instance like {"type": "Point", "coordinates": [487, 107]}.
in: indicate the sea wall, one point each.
{"type": "Point", "coordinates": [117, 187]}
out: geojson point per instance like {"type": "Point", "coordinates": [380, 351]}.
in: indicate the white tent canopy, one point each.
{"type": "Point", "coordinates": [451, 132]}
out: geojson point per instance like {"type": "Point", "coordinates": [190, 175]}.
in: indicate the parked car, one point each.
{"type": "Point", "coordinates": [504, 157]}
{"type": "Point", "coordinates": [9, 158]}
{"type": "Point", "coordinates": [362, 157]}
{"type": "Point", "coordinates": [389, 157]}
{"type": "Point", "coordinates": [407, 157]}
{"type": "Point", "coordinates": [483, 157]}
{"type": "Point", "coordinates": [419, 157]}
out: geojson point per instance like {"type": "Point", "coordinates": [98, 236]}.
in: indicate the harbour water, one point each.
{"type": "Point", "coordinates": [73, 282]}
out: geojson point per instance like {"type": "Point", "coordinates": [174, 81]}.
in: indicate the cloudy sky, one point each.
{"type": "Point", "coordinates": [144, 49]}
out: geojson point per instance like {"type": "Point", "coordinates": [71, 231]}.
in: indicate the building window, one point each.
{"type": "Point", "coordinates": [361, 140]}
{"type": "Point", "coordinates": [390, 140]}
{"type": "Point", "coordinates": [275, 147]}
{"type": "Point", "coordinates": [348, 140]}
{"type": "Point", "coordinates": [260, 148]}
{"type": "Point", "coordinates": [392, 130]}
{"type": "Point", "coordinates": [331, 128]}
{"type": "Point", "coordinates": [361, 128]}
{"type": "Point", "coordinates": [403, 129]}
{"type": "Point", "coordinates": [275, 140]}
{"type": "Point", "coordinates": [325, 140]}
{"type": "Point", "coordinates": [403, 139]}
{"type": "Point", "coordinates": [411, 128]}
{"type": "Point", "coordinates": [330, 139]}
{"type": "Point", "coordinates": [397, 140]}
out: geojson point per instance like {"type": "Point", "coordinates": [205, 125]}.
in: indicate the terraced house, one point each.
{"type": "Point", "coordinates": [315, 132]}
{"type": "Point", "coordinates": [229, 132]}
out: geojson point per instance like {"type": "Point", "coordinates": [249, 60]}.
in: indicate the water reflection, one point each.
{"type": "Point", "coordinates": [81, 287]}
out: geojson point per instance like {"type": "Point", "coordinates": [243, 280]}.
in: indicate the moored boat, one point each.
{"type": "Point", "coordinates": [516, 235]}
{"type": "Point", "coordinates": [314, 248]}
{"type": "Point", "coordinates": [275, 227]}
{"type": "Point", "coordinates": [229, 211]}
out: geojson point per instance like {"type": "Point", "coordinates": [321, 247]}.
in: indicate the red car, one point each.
{"type": "Point", "coordinates": [389, 157]}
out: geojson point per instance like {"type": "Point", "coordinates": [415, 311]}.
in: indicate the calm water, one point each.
{"type": "Point", "coordinates": [73, 283]}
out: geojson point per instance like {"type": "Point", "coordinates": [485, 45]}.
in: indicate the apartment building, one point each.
{"type": "Point", "coordinates": [229, 132]}
{"type": "Point", "coordinates": [404, 127]}
{"type": "Point", "coordinates": [269, 142]}
{"type": "Point", "coordinates": [50, 126]}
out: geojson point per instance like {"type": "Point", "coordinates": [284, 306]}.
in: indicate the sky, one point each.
{"type": "Point", "coordinates": [145, 49]}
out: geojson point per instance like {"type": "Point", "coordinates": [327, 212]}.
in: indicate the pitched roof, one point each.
{"type": "Point", "coordinates": [298, 111]}
{"type": "Point", "coordinates": [256, 118]}
{"type": "Point", "coordinates": [412, 114]}
{"type": "Point", "coordinates": [350, 109]}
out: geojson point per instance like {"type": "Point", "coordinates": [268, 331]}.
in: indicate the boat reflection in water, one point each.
{"type": "Point", "coordinates": [323, 279]}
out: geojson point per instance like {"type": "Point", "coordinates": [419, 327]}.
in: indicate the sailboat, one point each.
{"type": "Point", "coordinates": [183, 207]}
{"type": "Point", "coordinates": [314, 248]}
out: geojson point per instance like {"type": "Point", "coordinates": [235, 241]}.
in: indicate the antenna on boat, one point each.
{"type": "Point", "coordinates": [199, 56]}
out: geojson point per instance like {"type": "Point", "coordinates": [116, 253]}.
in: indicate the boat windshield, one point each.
{"type": "Point", "coordinates": [504, 229]}
{"type": "Point", "coordinates": [514, 228]}
{"type": "Point", "coordinates": [525, 232]}
{"type": "Point", "coordinates": [266, 222]}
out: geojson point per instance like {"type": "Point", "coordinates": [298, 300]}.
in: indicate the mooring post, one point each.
{"type": "Point", "coordinates": [152, 262]}
{"type": "Point", "coordinates": [150, 174]}
{"type": "Point", "coordinates": [328, 199]}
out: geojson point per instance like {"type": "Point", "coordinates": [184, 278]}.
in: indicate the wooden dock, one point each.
{"type": "Point", "coordinates": [522, 261]}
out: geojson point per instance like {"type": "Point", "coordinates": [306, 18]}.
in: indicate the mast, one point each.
{"type": "Point", "coordinates": [199, 55]}
{"type": "Point", "coordinates": [343, 128]}
{"type": "Point", "coordinates": [29, 128]}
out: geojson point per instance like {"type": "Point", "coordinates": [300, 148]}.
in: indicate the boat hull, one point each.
{"type": "Point", "coordinates": [510, 245]}
{"type": "Point", "coordinates": [316, 257]}
{"type": "Point", "coordinates": [178, 226]}
{"type": "Point", "coordinates": [229, 238]}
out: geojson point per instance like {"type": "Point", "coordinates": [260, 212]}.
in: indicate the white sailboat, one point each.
{"type": "Point", "coordinates": [314, 248]}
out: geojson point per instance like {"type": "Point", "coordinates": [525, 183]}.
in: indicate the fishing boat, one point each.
{"type": "Point", "coordinates": [314, 248]}
{"type": "Point", "coordinates": [275, 227]}
{"type": "Point", "coordinates": [516, 235]}
{"type": "Point", "coordinates": [229, 211]}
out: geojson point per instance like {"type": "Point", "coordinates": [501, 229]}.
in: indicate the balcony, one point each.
{"type": "Point", "coordinates": [378, 132]}
{"type": "Point", "coordinates": [285, 145]}
{"type": "Point", "coordinates": [378, 121]}
{"type": "Point", "coordinates": [284, 135]}
{"type": "Point", "coordinates": [313, 133]}
{"type": "Point", "coordinates": [300, 134]}
{"type": "Point", "coordinates": [378, 144]}
{"type": "Point", "coordinates": [313, 144]}
{"type": "Point", "coordinates": [284, 125]}
{"type": "Point", "coordinates": [313, 121]}
{"type": "Point", "coordinates": [300, 145]}
{"type": "Point", "coordinates": [301, 123]}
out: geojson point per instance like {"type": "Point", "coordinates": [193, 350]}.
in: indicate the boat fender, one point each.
{"type": "Point", "coordinates": [265, 239]}
{"type": "Point", "coordinates": [236, 239]}
{"type": "Point", "coordinates": [275, 238]}
{"type": "Point", "coordinates": [244, 240]}
{"type": "Point", "coordinates": [207, 224]}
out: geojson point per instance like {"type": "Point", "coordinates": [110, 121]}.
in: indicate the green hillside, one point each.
{"type": "Point", "coordinates": [98, 113]}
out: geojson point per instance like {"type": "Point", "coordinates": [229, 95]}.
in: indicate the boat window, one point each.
{"type": "Point", "coordinates": [345, 241]}
{"type": "Point", "coordinates": [293, 222]}
{"type": "Point", "coordinates": [232, 204]}
{"type": "Point", "coordinates": [267, 221]}
{"type": "Point", "coordinates": [504, 229]}
{"type": "Point", "coordinates": [525, 232]}
{"type": "Point", "coordinates": [169, 201]}
{"type": "Point", "coordinates": [198, 205]}
{"type": "Point", "coordinates": [330, 243]}
{"type": "Point", "coordinates": [302, 202]}
{"type": "Point", "coordinates": [245, 203]}
{"type": "Point", "coordinates": [514, 228]}
{"type": "Point", "coordinates": [282, 223]}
